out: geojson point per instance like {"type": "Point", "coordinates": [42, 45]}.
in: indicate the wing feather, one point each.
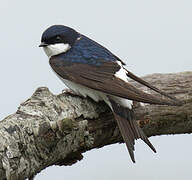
{"type": "Point", "coordinates": [102, 78]}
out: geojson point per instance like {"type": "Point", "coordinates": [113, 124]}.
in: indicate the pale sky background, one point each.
{"type": "Point", "coordinates": [150, 36]}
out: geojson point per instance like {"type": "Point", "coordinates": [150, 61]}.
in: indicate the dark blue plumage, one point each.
{"type": "Point", "coordinates": [83, 50]}
{"type": "Point", "coordinates": [58, 33]}
{"type": "Point", "coordinates": [87, 51]}
{"type": "Point", "coordinates": [90, 69]}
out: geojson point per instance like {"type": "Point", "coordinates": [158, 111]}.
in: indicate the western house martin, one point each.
{"type": "Point", "coordinates": [89, 69]}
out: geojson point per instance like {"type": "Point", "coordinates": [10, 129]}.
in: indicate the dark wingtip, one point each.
{"type": "Point", "coordinates": [154, 150]}
{"type": "Point", "coordinates": [173, 100]}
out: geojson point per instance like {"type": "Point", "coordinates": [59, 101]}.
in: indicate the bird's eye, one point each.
{"type": "Point", "coordinates": [58, 38]}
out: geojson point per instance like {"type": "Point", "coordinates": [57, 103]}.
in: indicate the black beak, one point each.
{"type": "Point", "coordinates": [43, 44]}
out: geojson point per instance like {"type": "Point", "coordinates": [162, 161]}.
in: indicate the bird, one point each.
{"type": "Point", "coordinates": [91, 70]}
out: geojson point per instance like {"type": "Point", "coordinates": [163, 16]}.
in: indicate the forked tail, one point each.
{"type": "Point", "coordinates": [128, 127]}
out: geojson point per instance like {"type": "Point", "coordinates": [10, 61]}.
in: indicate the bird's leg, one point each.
{"type": "Point", "coordinates": [69, 91]}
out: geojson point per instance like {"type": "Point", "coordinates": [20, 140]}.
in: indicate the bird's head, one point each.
{"type": "Point", "coordinates": [58, 39]}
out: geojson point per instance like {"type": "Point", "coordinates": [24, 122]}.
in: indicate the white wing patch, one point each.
{"type": "Point", "coordinates": [122, 73]}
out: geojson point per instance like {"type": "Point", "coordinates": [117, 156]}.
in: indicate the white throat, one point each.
{"type": "Point", "coordinates": [55, 49]}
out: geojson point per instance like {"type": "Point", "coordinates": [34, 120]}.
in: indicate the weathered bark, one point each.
{"type": "Point", "coordinates": [52, 129]}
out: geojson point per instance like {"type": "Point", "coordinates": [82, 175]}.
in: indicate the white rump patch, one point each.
{"type": "Point", "coordinates": [55, 49]}
{"type": "Point", "coordinates": [122, 101]}
{"type": "Point", "coordinates": [122, 73]}
{"type": "Point", "coordinates": [94, 94]}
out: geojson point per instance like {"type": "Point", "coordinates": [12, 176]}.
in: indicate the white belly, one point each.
{"type": "Point", "coordinates": [94, 94]}
{"type": "Point", "coordinates": [85, 91]}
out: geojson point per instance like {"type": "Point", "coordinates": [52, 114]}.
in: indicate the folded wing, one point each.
{"type": "Point", "coordinates": [102, 77]}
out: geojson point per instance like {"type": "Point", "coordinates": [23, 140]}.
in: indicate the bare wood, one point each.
{"type": "Point", "coordinates": [52, 129]}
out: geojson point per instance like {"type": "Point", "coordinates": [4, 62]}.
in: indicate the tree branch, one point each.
{"type": "Point", "coordinates": [52, 129]}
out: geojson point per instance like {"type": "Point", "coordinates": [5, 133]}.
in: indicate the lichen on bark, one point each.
{"type": "Point", "coordinates": [50, 129]}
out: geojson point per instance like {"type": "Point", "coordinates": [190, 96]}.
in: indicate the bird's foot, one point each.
{"type": "Point", "coordinates": [69, 92]}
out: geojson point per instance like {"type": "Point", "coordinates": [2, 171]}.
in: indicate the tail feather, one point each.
{"type": "Point", "coordinates": [128, 127]}
{"type": "Point", "coordinates": [128, 137]}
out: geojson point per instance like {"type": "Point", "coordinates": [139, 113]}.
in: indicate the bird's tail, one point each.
{"type": "Point", "coordinates": [128, 127]}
